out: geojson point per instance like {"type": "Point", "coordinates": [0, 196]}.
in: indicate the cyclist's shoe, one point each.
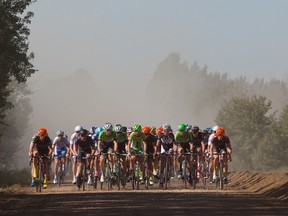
{"type": "Point", "coordinates": [225, 180]}
{"type": "Point", "coordinates": [179, 174]}
{"type": "Point", "coordinates": [172, 173]}
{"type": "Point", "coordinates": [154, 172]}
{"type": "Point", "coordinates": [55, 180]}
{"type": "Point", "coordinates": [142, 182]}
{"type": "Point", "coordinates": [214, 176]}
{"type": "Point", "coordinates": [74, 180]}
{"type": "Point", "coordinates": [78, 181]}
{"type": "Point", "coordinates": [102, 178]}
{"type": "Point", "coordinates": [89, 182]}
{"type": "Point", "coordinates": [32, 183]}
{"type": "Point", "coordinates": [151, 182]}
{"type": "Point", "coordinates": [45, 186]}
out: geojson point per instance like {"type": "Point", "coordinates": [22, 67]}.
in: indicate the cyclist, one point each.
{"type": "Point", "coordinates": [221, 144]}
{"type": "Point", "coordinates": [60, 147]}
{"type": "Point", "coordinates": [107, 145]}
{"type": "Point", "coordinates": [198, 146]}
{"type": "Point", "coordinates": [184, 143]}
{"type": "Point", "coordinates": [129, 131]}
{"type": "Point", "coordinates": [167, 145]}
{"type": "Point", "coordinates": [136, 145]}
{"type": "Point", "coordinates": [95, 138]}
{"type": "Point", "coordinates": [84, 147]}
{"type": "Point", "coordinates": [73, 139]}
{"type": "Point", "coordinates": [122, 142]}
{"type": "Point", "coordinates": [150, 141]}
{"type": "Point", "coordinates": [210, 151]}
{"type": "Point", "coordinates": [40, 146]}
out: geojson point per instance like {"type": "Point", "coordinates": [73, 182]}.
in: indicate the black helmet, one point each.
{"type": "Point", "coordinates": [195, 128]}
{"type": "Point", "coordinates": [84, 132]}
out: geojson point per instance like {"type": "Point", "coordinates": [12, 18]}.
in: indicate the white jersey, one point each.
{"type": "Point", "coordinates": [73, 138]}
{"type": "Point", "coordinates": [60, 143]}
{"type": "Point", "coordinates": [211, 138]}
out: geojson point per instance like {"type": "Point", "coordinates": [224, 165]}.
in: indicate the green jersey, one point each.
{"type": "Point", "coordinates": [184, 138]}
{"type": "Point", "coordinates": [122, 137]}
{"type": "Point", "coordinates": [137, 140]}
{"type": "Point", "coordinates": [107, 138]}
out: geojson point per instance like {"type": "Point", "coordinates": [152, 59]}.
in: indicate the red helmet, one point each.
{"type": "Point", "coordinates": [42, 131]}
{"type": "Point", "coordinates": [220, 131]}
{"type": "Point", "coordinates": [146, 129]}
{"type": "Point", "coordinates": [159, 130]}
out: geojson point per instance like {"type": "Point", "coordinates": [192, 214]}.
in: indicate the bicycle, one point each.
{"type": "Point", "coordinates": [205, 169]}
{"type": "Point", "coordinates": [38, 173]}
{"type": "Point", "coordinates": [83, 176]}
{"type": "Point", "coordinates": [194, 169]}
{"type": "Point", "coordinates": [136, 174]}
{"type": "Point", "coordinates": [185, 172]}
{"type": "Point", "coordinates": [219, 172]}
{"type": "Point", "coordinates": [167, 170]}
{"type": "Point", "coordinates": [60, 170]}
{"type": "Point", "coordinates": [107, 174]}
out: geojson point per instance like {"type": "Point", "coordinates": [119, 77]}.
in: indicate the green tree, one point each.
{"type": "Point", "coordinates": [15, 60]}
{"type": "Point", "coordinates": [249, 127]}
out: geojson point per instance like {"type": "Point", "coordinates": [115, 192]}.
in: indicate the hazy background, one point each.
{"type": "Point", "coordinates": [96, 59]}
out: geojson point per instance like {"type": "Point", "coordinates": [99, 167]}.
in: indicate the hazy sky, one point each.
{"type": "Point", "coordinates": [128, 38]}
{"type": "Point", "coordinates": [121, 43]}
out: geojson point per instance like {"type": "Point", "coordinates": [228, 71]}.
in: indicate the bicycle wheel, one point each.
{"type": "Point", "coordinates": [40, 177]}
{"type": "Point", "coordinates": [59, 174]}
{"type": "Point", "coordinates": [160, 174]}
{"type": "Point", "coordinates": [221, 182]}
{"type": "Point", "coordinates": [194, 174]}
{"type": "Point", "coordinates": [119, 173]}
{"type": "Point", "coordinates": [84, 176]}
{"type": "Point", "coordinates": [146, 175]}
{"type": "Point", "coordinates": [184, 170]}
{"type": "Point", "coordinates": [166, 172]}
{"type": "Point", "coordinates": [137, 175]}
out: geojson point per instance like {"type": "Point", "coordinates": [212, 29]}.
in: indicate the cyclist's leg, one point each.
{"type": "Point", "coordinates": [179, 164]}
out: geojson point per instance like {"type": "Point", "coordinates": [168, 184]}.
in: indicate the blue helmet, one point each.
{"type": "Point", "coordinates": [98, 130]}
{"type": "Point", "coordinates": [209, 130]}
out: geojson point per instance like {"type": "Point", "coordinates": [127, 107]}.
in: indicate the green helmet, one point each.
{"type": "Point", "coordinates": [181, 127]}
{"type": "Point", "coordinates": [137, 128]}
{"type": "Point", "coordinates": [152, 130]}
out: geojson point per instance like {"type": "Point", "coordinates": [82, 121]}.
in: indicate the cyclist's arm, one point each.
{"type": "Point", "coordinates": [129, 146]}
{"type": "Point", "coordinates": [75, 150]}
{"type": "Point", "coordinates": [191, 145]}
{"type": "Point", "coordinates": [115, 146]}
{"type": "Point", "coordinates": [31, 149]}
{"type": "Point", "coordinates": [99, 146]}
{"type": "Point", "coordinates": [144, 146]}
{"type": "Point", "coordinates": [203, 146]}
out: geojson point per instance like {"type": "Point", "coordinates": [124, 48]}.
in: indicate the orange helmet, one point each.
{"type": "Point", "coordinates": [42, 131]}
{"type": "Point", "coordinates": [220, 131]}
{"type": "Point", "coordinates": [146, 129]}
{"type": "Point", "coordinates": [159, 130]}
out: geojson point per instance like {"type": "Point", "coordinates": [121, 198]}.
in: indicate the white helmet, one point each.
{"type": "Point", "coordinates": [60, 133]}
{"type": "Point", "coordinates": [108, 126]}
{"type": "Point", "coordinates": [215, 128]}
{"type": "Point", "coordinates": [129, 130]}
{"type": "Point", "coordinates": [78, 128]}
{"type": "Point", "coordinates": [166, 127]}
{"type": "Point", "coordinates": [118, 128]}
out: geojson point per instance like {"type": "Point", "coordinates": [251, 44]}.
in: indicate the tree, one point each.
{"type": "Point", "coordinates": [15, 60]}
{"type": "Point", "coordinates": [249, 127]}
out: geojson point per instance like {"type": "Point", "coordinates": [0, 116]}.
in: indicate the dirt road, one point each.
{"type": "Point", "coordinates": [246, 194]}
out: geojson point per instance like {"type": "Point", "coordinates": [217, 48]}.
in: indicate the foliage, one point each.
{"type": "Point", "coordinates": [15, 61]}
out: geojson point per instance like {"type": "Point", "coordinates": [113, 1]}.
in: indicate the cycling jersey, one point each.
{"type": "Point", "coordinates": [150, 142]}
{"type": "Point", "coordinates": [107, 138]}
{"type": "Point", "coordinates": [122, 140]}
{"type": "Point", "coordinates": [196, 140]}
{"type": "Point", "coordinates": [60, 146]}
{"type": "Point", "coordinates": [84, 146]}
{"type": "Point", "coordinates": [166, 141]}
{"type": "Point", "coordinates": [42, 146]}
{"type": "Point", "coordinates": [137, 139]}
{"type": "Point", "coordinates": [220, 144]}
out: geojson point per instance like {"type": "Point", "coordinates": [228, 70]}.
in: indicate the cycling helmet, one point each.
{"type": "Point", "coordinates": [215, 128]}
{"type": "Point", "coordinates": [78, 128]}
{"type": "Point", "coordinates": [181, 127]}
{"type": "Point", "coordinates": [205, 132]}
{"type": "Point", "coordinates": [195, 128]}
{"type": "Point", "coordinates": [129, 130]}
{"type": "Point", "coordinates": [153, 130]}
{"type": "Point", "coordinates": [84, 132]}
{"type": "Point", "coordinates": [98, 130]}
{"type": "Point", "coordinates": [137, 128]}
{"type": "Point", "coordinates": [166, 127]}
{"type": "Point", "coordinates": [159, 130]}
{"type": "Point", "coordinates": [146, 129]}
{"type": "Point", "coordinates": [108, 127]}
{"type": "Point", "coordinates": [124, 129]}
{"type": "Point", "coordinates": [60, 133]}
{"type": "Point", "coordinates": [92, 129]}
{"type": "Point", "coordinates": [118, 129]}
{"type": "Point", "coordinates": [42, 131]}
{"type": "Point", "coordinates": [209, 130]}
{"type": "Point", "coordinates": [188, 127]}
{"type": "Point", "coordinates": [220, 131]}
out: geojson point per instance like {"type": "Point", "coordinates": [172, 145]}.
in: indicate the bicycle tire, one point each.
{"type": "Point", "coordinates": [146, 174]}
{"type": "Point", "coordinates": [40, 177]}
{"type": "Point", "coordinates": [166, 172]}
{"type": "Point", "coordinates": [221, 181]}
{"type": "Point", "coordinates": [184, 170]}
